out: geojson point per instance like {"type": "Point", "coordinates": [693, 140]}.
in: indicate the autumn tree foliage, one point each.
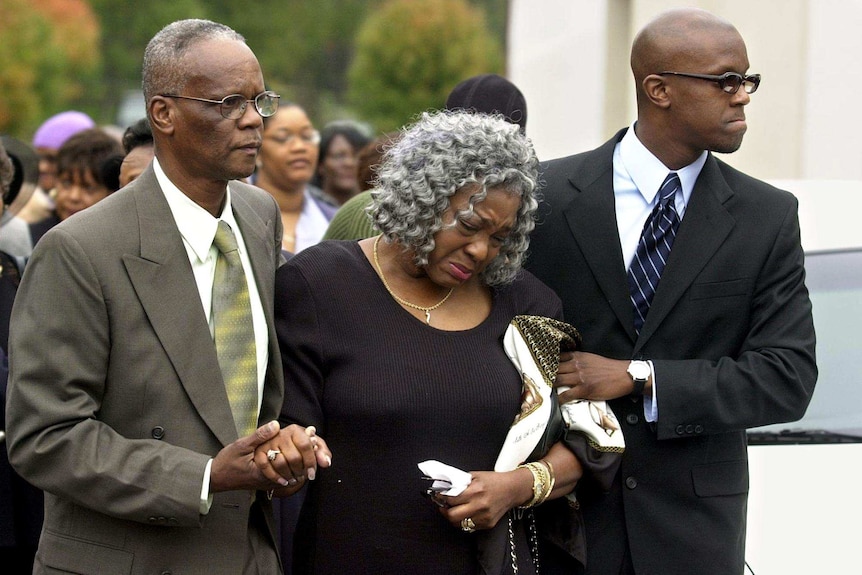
{"type": "Point", "coordinates": [410, 54]}
{"type": "Point", "coordinates": [50, 55]}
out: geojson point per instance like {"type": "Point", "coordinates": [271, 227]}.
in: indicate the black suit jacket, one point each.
{"type": "Point", "coordinates": [731, 336]}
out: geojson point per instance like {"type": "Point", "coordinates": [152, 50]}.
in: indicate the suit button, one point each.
{"type": "Point", "coordinates": [680, 430]}
{"type": "Point", "coordinates": [698, 429]}
{"type": "Point", "coordinates": [158, 432]}
{"type": "Point", "coordinates": [689, 429]}
{"type": "Point", "coordinates": [631, 482]}
{"type": "Point", "coordinates": [153, 519]}
{"type": "Point", "coordinates": [632, 419]}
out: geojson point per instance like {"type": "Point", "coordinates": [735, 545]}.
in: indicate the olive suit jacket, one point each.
{"type": "Point", "coordinates": [731, 336]}
{"type": "Point", "coordinates": [116, 401]}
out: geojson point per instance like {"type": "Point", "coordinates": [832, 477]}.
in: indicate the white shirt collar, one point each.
{"type": "Point", "coordinates": [648, 172]}
{"type": "Point", "coordinates": [197, 226]}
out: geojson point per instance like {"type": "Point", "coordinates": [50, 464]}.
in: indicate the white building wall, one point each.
{"type": "Point", "coordinates": [557, 62]}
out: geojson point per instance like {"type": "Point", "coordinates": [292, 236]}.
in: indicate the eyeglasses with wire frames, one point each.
{"type": "Point", "coordinates": [312, 138]}
{"type": "Point", "coordinates": [729, 81]}
{"type": "Point", "coordinates": [233, 107]}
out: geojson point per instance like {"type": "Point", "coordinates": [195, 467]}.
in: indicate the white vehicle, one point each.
{"type": "Point", "coordinates": [803, 493]}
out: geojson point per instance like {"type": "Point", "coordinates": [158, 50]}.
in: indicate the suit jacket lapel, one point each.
{"type": "Point", "coordinates": [592, 219]}
{"type": "Point", "coordinates": [704, 227]}
{"type": "Point", "coordinates": [163, 279]}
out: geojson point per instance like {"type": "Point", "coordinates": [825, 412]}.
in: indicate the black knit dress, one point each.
{"type": "Point", "coordinates": [386, 392]}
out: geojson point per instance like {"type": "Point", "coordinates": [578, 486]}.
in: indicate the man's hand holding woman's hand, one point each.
{"type": "Point", "coordinates": [270, 459]}
{"type": "Point", "coordinates": [292, 457]}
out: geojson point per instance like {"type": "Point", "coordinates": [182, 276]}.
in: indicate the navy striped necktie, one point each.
{"type": "Point", "coordinates": [653, 249]}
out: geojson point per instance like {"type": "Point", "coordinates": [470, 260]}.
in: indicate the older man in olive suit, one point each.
{"type": "Point", "coordinates": [118, 405]}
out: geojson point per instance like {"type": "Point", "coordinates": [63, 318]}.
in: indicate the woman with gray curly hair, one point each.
{"type": "Point", "coordinates": [441, 155]}
{"type": "Point", "coordinates": [392, 348]}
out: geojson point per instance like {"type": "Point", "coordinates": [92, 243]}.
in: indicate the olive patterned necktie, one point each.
{"type": "Point", "coordinates": [233, 331]}
{"type": "Point", "coordinates": [653, 249]}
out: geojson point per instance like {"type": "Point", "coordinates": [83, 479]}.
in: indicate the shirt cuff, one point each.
{"type": "Point", "coordinates": [206, 496]}
{"type": "Point", "coordinates": [650, 401]}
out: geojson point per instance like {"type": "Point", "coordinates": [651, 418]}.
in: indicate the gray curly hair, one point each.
{"type": "Point", "coordinates": [440, 154]}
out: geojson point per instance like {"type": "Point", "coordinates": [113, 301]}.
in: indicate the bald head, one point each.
{"type": "Point", "coordinates": [678, 60]}
{"type": "Point", "coordinates": [674, 38]}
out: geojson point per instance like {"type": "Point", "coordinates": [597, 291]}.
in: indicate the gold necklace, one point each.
{"type": "Point", "coordinates": [427, 310]}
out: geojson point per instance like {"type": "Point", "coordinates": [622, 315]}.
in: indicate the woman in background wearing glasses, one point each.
{"type": "Point", "coordinates": [285, 166]}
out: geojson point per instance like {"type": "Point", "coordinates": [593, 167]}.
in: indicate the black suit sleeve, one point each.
{"type": "Point", "coordinates": [772, 377]}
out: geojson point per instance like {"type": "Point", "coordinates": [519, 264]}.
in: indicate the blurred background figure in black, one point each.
{"type": "Point", "coordinates": [138, 147]}
{"type": "Point", "coordinates": [21, 504]}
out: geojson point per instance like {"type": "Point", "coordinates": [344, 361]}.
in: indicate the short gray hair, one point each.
{"type": "Point", "coordinates": [441, 153]}
{"type": "Point", "coordinates": [163, 71]}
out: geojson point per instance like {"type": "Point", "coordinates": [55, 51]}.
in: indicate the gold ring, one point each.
{"type": "Point", "coordinates": [272, 454]}
{"type": "Point", "coordinates": [467, 525]}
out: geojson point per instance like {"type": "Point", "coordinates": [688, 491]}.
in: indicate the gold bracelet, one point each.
{"type": "Point", "coordinates": [542, 482]}
{"type": "Point", "coordinates": [551, 479]}
{"type": "Point", "coordinates": [546, 482]}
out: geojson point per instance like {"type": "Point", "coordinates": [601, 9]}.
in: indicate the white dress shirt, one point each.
{"type": "Point", "coordinates": [638, 175]}
{"type": "Point", "coordinates": [198, 228]}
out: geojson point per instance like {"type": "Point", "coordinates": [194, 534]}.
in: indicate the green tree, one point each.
{"type": "Point", "coordinates": [411, 53]}
{"type": "Point", "coordinates": [127, 26]}
{"type": "Point", "coordinates": [49, 50]}
{"type": "Point", "coordinates": [303, 47]}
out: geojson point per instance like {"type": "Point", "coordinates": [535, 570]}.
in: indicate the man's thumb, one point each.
{"type": "Point", "coordinates": [266, 432]}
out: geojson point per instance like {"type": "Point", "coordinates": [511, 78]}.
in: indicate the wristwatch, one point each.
{"type": "Point", "coordinates": [640, 372]}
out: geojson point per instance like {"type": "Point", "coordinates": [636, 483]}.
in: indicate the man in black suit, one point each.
{"type": "Point", "coordinates": [727, 341]}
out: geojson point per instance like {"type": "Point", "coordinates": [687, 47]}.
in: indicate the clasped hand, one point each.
{"type": "Point", "coordinates": [270, 459]}
{"type": "Point", "coordinates": [591, 376]}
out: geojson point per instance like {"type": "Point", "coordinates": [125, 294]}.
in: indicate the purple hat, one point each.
{"type": "Point", "coordinates": [490, 94]}
{"type": "Point", "coordinates": [54, 131]}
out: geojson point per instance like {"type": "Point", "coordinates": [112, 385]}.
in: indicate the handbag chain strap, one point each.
{"type": "Point", "coordinates": [533, 540]}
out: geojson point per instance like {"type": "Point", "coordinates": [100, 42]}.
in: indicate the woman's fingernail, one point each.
{"type": "Point", "coordinates": [310, 474]}
{"type": "Point", "coordinates": [283, 482]}
{"type": "Point", "coordinates": [328, 460]}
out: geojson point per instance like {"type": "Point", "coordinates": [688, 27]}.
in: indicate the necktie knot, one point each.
{"type": "Point", "coordinates": [669, 188]}
{"type": "Point", "coordinates": [224, 240]}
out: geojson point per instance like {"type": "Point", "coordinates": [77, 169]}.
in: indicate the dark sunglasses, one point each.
{"type": "Point", "coordinates": [729, 81]}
